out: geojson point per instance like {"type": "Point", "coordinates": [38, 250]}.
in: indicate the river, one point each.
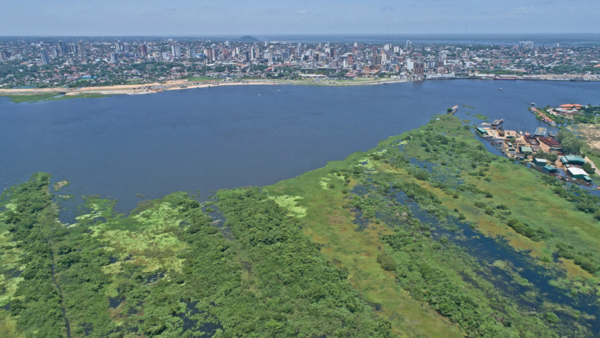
{"type": "Point", "coordinates": [218, 138]}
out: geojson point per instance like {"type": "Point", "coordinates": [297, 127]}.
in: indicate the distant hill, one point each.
{"type": "Point", "coordinates": [248, 38]}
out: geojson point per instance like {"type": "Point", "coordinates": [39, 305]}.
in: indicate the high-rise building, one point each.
{"type": "Point", "coordinates": [208, 53]}
{"type": "Point", "coordinates": [419, 69]}
{"type": "Point", "coordinates": [176, 51]}
{"type": "Point", "coordinates": [376, 58]}
{"type": "Point", "coordinates": [525, 44]}
{"type": "Point", "coordinates": [81, 48]}
{"type": "Point", "coordinates": [408, 45]}
{"type": "Point", "coordinates": [4, 56]}
{"type": "Point", "coordinates": [44, 57]}
{"type": "Point", "coordinates": [114, 57]}
{"type": "Point", "coordinates": [143, 51]}
{"type": "Point", "coordinates": [63, 47]}
{"type": "Point", "coordinates": [192, 53]}
{"type": "Point", "coordinates": [409, 64]}
{"type": "Point", "coordinates": [72, 48]}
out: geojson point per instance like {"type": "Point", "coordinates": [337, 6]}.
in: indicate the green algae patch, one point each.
{"type": "Point", "coordinates": [324, 182]}
{"type": "Point", "coordinates": [290, 203]}
{"type": "Point", "coordinates": [480, 116]}
{"type": "Point", "coordinates": [145, 238]}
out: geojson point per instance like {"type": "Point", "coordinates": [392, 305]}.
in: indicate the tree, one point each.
{"type": "Point", "coordinates": [569, 141]}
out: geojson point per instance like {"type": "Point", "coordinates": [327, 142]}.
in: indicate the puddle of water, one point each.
{"type": "Point", "coordinates": [155, 277]}
{"type": "Point", "coordinates": [208, 328]}
{"type": "Point", "coordinates": [114, 302]}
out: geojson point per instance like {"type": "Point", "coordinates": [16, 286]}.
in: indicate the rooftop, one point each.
{"type": "Point", "coordinates": [576, 171]}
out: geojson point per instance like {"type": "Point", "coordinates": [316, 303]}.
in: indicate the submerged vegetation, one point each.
{"type": "Point", "coordinates": [428, 235]}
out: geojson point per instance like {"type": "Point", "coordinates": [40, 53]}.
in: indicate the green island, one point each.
{"type": "Point", "coordinates": [426, 235]}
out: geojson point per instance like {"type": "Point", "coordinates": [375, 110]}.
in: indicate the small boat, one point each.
{"type": "Point", "coordinates": [499, 88]}
{"type": "Point", "coordinates": [452, 110]}
{"type": "Point", "coordinates": [532, 104]}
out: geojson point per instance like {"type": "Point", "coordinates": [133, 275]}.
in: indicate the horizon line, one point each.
{"type": "Point", "coordinates": [292, 34]}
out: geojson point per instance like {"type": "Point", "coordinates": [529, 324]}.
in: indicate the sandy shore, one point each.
{"type": "Point", "coordinates": [147, 88]}
{"type": "Point", "coordinates": [150, 88]}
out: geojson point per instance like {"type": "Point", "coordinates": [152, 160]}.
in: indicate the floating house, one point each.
{"type": "Point", "coordinates": [572, 160]}
{"type": "Point", "coordinates": [550, 169]}
{"type": "Point", "coordinates": [540, 162]}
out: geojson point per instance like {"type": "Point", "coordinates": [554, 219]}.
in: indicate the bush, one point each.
{"type": "Point", "coordinates": [552, 318]}
{"type": "Point", "coordinates": [422, 176]}
{"type": "Point", "coordinates": [386, 262]}
{"type": "Point", "coordinates": [588, 168]}
{"type": "Point", "coordinates": [480, 205]}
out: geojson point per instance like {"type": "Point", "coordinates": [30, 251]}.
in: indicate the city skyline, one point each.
{"type": "Point", "coordinates": [188, 18]}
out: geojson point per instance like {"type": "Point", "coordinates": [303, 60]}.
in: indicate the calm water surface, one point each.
{"type": "Point", "coordinates": [218, 138]}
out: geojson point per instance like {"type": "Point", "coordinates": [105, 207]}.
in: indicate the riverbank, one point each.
{"type": "Point", "coordinates": [18, 95]}
{"type": "Point", "coordinates": [51, 94]}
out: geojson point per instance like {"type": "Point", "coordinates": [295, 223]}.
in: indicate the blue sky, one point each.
{"type": "Point", "coordinates": [188, 17]}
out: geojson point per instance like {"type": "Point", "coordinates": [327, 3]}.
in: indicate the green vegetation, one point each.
{"type": "Point", "coordinates": [587, 115]}
{"type": "Point", "coordinates": [480, 116]}
{"type": "Point", "coordinates": [455, 179]}
{"type": "Point", "coordinates": [167, 270]}
{"type": "Point", "coordinates": [570, 143]}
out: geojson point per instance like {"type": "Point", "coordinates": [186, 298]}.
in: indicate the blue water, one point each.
{"type": "Point", "coordinates": [226, 137]}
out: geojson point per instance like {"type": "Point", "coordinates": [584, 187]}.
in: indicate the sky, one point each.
{"type": "Point", "coordinates": [250, 17]}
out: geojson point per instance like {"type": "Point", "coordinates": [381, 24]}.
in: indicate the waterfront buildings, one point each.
{"type": "Point", "coordinates": [122, 60]}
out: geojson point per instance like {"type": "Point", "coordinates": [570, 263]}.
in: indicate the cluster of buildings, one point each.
{"type": "Point", "coordinates": [51, 62]}
{"type": "Point", "coordinates": [521, 145]}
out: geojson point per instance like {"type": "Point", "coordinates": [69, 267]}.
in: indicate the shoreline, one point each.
{"type": "Point", "coordinates": [157, 87]}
